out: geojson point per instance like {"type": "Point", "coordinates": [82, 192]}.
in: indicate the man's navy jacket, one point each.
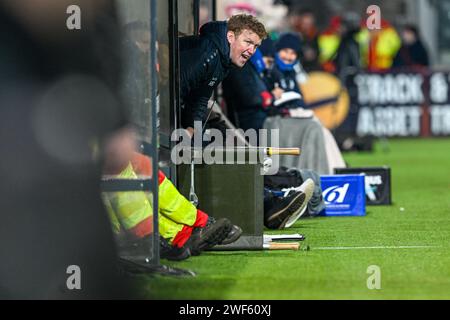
{"type": "Point", "coordinates": [205, 62]}
{"type": "Point", "coordinates": [243, 92]}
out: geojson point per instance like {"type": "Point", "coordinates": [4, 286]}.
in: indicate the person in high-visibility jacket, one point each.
{"type": "Point", "coordinates": [329, 42]}
{"type": "Point", "coordinates": [179, 220]}
{"type": "Point", "coordinates": [379, 47]}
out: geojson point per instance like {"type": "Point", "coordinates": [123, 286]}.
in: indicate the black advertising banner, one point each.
{"type": "Point", "coordinates": [398, 104]}
{"type": "Point", "coordinates": [377, 184]}
{"type": "Point", "coordinates": [439, 107]}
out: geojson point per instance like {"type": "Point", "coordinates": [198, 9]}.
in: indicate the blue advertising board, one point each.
{"type": "Point", "coordinates": [344, 195]}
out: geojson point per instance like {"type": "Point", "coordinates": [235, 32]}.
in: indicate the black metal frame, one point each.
{"type": "Point", "coordinates": [154, 146]}
{"type": "Point", "coordinates": [175, 74]}
{"type": "Point", "coordinates": [214, 9]}
{"type": "Point", "coordinates": [196, 13]}
{"type": "Point", "coordinates": [165, 142]}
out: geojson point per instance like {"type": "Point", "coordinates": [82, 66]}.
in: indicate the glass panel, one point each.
{"type": "Point", "coordinates": [131, 216]}
{"type": "Point", "coordinates": [206, 13]}
{"type": "Point", "coordinates": [135, 17]}
{"type": "Point", "coordinates": [126, 190]}
{"type": "Point", "coordinates": [186, 20]}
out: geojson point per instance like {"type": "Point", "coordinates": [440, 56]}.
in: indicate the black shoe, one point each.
{"type": "Point", "coordinates": [280, 209]}
{"type": "Point", "coordinates": [234, 234]}
{"type": "Point", "coordinates": [210, 235]}
{"type": "Point", "coordinates": [169, 252]}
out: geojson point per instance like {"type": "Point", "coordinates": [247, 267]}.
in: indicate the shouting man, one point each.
{"type": "Point", "coordinates": [207, 58]}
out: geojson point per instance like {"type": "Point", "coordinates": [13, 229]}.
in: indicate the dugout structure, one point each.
{"type": "Point", "coordinates": [151, 29]}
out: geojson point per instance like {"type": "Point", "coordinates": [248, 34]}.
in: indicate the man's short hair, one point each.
{"type": "Point", "coordinates": [240, 22]}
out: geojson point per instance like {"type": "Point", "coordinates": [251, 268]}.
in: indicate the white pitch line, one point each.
{"type": "Point", "coordinates": [364, 248]}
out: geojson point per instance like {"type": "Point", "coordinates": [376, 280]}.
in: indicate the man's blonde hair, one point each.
{"type": "Point", "coordinates": [240, 22]}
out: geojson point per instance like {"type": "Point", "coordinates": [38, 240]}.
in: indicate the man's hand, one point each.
{"type": "Point", "coordinates": [267, 99]}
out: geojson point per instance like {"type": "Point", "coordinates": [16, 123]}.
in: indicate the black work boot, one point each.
{"type": "Point", "coordinates": [210, 235]}
{"type": "Point", "coordinates": [174, 253]}
{"type": "Point", "coordinates": [232, 236]}
{"type": "Point", "coordinates": [278, 211]}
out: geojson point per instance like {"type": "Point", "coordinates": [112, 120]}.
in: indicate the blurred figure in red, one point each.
{"type": "Point", "coordinates": [339, 47]}
{"type": "Point", "coordinates": [329, 42]}
{"type": "Point", "coordinates": [379, 46]}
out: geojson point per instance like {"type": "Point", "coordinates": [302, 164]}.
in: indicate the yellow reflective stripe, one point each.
{"type": "Point", "coordinates": [131, 207]}
{"type": "Point", "coordinates": [384, 62]}
{"type": "Point", "coordinates": [387, 47]}
{"type": "Point", "coordinates": [174, 205]}
{"type": "Point", "coordinates": [115, 224]}
{"type": "Point", "coordinates": [127, 173]}
{"type": "Point", "coordinates": [363, 39]}
{"type": "Point", "coordinates": [389, 43]}
{"type": "Point", "coordinates": [168, 229]}
{"type": "Point", "coordinates": [328, 44]}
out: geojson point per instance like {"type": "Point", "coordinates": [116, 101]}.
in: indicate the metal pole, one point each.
{"type": "Point", "coordinates": [154, 92]}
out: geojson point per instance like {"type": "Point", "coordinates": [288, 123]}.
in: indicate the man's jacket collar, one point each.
{"type": "Point", "coordinates": [216, 31]}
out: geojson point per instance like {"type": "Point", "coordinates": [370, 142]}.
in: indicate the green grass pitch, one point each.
{"type": "Point", "coordinates": [420, 185]}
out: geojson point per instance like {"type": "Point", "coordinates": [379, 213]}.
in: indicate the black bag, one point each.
{"type": "Point", "coordinates": [284, 178]}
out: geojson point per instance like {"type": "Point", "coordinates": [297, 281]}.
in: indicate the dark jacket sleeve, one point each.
{"type": "Point", "coordinates": [422, 54]}
{"type": "Point", "coordinates": [196, 75]}
{"type": "Point", "coordinates": [196, 105]}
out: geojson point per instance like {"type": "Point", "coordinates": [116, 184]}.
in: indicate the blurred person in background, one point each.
{"type": "Point", "coordinates": [297, 124]}
{"type": "Point", "coordinates": [283, 76]}
{"type": "Point", "coordinates": [339, 47]}
{"type": "Point", "coordinates": [303, 21]}
{"type": "Point", "coordinates": [412, 52]}
{"type": "Point", "coordinates": [348, 55]}
{"type": "Point", "coordinates": [58, 103]}
{"type": "Point", "coordinates": [379, 46]}
{"type": "Point", "coordinates": [329, 42]}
